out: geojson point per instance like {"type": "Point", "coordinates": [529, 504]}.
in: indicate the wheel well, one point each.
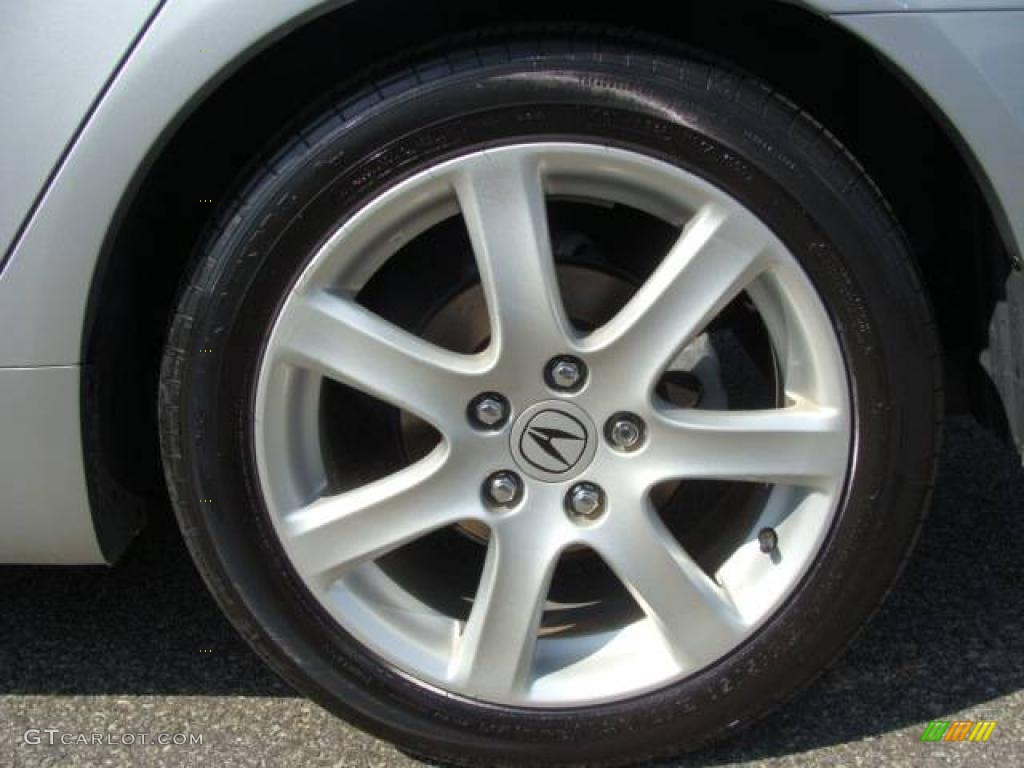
{"type": "Point", "coordinates": [824, 69]}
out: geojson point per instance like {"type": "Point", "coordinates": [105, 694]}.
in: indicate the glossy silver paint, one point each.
{"type": "Point", "coordinates": [968, 63]}
{"type": "Point", "coordinates": [44, 507]}
{"type": "Point", "coordinates": [55, 57]}
{"type": "Point", "coordinates": [189, 46]}
{"type": "Point", "coordinates": [865, 7]}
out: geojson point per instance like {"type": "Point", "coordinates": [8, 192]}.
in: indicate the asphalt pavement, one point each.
{"type": "Point", "coordinates": [141, 649]}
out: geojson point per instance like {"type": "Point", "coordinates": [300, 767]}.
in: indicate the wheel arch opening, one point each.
{"type": "Point", "coordinates": [887, 125]}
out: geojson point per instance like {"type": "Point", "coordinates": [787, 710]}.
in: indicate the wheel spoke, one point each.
{"type": "Point", "coordinates": [339, 339]}
{"type": "Point", "coordinates": [494, 654]}
{"type": "Point", "coordinates": [502, 201]}
{"type": "Point", "coordinates": [803, 445]}
{"type": "Point", "coordinates": [336, 533]}
{"type": "Point", "coordinates": [718, 254]}
{"type": "Point", "coordinates": [693, 613]}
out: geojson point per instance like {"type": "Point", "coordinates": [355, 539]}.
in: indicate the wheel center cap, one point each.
{"type": "Point", "coordinates": [553, 441]}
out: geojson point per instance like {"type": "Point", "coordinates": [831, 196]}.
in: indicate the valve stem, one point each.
{"type": "Point", "coordinates": [768, 539]}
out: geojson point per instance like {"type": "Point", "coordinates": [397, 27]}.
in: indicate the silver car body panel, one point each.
{"type": "Point", "coordinates": [971, 65]}
{"type": "Point", "coordinates": [967, 63]}
{"type": "Point", "coordinates": [188, 48]}
{"type": "Point", "coordinates": [44, 504]}
{"type": "Point", "coordinates": [858, 7]}
{"type": "Point", "coordinates": [55, 58]}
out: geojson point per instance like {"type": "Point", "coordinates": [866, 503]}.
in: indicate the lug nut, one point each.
{"type": "Point", "coordinates": [488, 411]}
{"type": "Point", "coordinates": [625, 431]}
{"type": "Point", "coordinates": [585, 502]}
{"type": "Point", "coordinates": [503, 489]}
{"type": "Point", "coordinates": [566, 373]}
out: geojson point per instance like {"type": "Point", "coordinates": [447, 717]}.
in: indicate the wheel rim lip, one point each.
{"type": "Point", "coordinates": [347, 597]}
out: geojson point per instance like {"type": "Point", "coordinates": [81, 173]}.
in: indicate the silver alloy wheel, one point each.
{"type": "Point", "coordinates": [690, 618]}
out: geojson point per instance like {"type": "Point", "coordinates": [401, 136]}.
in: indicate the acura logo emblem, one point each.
{"type": "Point", "coordinates": [553, 441]}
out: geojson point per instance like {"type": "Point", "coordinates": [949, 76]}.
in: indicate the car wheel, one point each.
{"type": "Point", "coordinates": [552, 403]}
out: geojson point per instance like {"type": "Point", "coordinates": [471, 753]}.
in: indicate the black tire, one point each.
{"type": "Point", "coordinates": [726, 127]}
